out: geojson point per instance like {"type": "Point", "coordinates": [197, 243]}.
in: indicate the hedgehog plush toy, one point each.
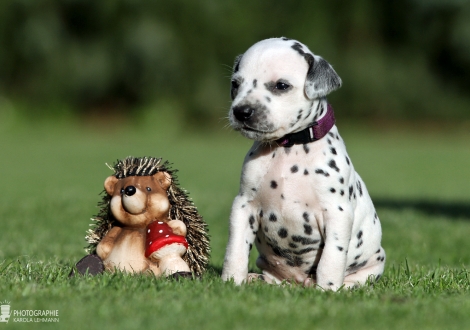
{"type": "Point", "coordinates": [146, 223]}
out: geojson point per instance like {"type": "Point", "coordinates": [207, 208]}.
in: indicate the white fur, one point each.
{"type": "Point", "coordinates": [304, 207]}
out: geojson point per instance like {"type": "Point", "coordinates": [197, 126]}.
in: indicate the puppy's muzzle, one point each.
{"type": "Point", "coordinates": [243, 112]}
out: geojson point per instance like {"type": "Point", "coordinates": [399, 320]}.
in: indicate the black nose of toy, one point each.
{"type": "Point", "coordinates": [243, 112]}
{"type": "Point", "coordinates": [130, 190]}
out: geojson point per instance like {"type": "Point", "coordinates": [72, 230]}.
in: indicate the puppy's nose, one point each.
{"type": "Point", "coordinates": [130, 190]}
{"type": "Point", "coordinates": [243, 112]}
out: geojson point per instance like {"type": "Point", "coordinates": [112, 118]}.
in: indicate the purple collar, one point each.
{"type": "Point", "coordinates": [312, 133]}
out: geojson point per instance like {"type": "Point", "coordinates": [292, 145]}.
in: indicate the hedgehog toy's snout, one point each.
{"type": "Point", "coordinates": [129, 190]}
{"type": "Point", "coordinates": [134, 200]}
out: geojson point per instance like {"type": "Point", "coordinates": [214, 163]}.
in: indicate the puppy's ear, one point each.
{"type": "Point", "coordinates": [322, 79]}
{"type": "Point", "coordinates": [237, 63]}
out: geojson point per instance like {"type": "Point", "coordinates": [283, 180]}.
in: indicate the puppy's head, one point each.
{"type": "Point", "coordinates": [274, 86]}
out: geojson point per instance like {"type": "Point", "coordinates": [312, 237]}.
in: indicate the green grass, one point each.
{"type": "Point", "coordinates": [53, 172]}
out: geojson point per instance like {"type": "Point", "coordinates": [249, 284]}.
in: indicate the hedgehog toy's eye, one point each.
{"type": "Point", "coordinates": [122, 191]}
{"type": "Point", "coordinates": [149, 189]}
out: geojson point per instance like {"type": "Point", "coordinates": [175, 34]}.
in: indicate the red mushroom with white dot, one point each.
{"type": "Point", "coordinates": [165, 247]}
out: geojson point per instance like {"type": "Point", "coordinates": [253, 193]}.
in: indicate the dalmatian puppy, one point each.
{"type": "Point", "coordinates": [300, 201]}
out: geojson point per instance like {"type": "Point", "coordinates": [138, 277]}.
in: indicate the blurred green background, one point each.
{"type": "Point", "coordinates": [402, 59]}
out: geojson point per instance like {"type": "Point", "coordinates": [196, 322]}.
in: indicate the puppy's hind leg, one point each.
{"type": "Point", "coordinates": [374, 272]}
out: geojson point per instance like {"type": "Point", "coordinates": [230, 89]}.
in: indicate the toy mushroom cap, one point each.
{"type": "Point", "coordinates": [160, 235]}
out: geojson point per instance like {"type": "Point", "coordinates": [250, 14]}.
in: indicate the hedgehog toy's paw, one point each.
{"type": "Point", "coordinates": [90, 264]}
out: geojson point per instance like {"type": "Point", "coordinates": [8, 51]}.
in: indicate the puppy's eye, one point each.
{"type": "Point", "coordinates": [149, 189]}
{"type": "Point", "coordinates": [234, 89]}
{"type": "Point", "coordinates": [282, 86]}
{"type": "Point", "coordinates": [235, 84]}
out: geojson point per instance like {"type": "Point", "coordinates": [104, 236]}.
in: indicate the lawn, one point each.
{"type": "Point", "coordinates": [53, 172]}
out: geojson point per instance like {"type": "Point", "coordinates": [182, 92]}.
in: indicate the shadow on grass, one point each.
{"type": "Point", "coordinates": [456, 210]}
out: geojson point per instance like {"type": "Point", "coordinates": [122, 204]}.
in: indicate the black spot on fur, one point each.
{"type": "Point", "coordinates": [272, 217]}
{"type": "Point", "coordinates": [355, 266]}
{"type": "Point", "coordinates": [237, 63]}
{"type": "Point", "coordinates": [347, 160]}
{"type": "Point", "coordinates": [359, 235]}
{"type": "Point", "coordinates": [332, 164]}
{"type": "Point", "coordinates": [307, 229]}
{"type": "Point", "coordinates": [298, 48]}
{"type": "Point", "coordinates": [251, 154]}
{"type": "Point", "coordinates": [254, 189]}
{"type": "Point", "coordinates": [333, 190]}
{"type": "Point", "coordinates": [254, 83]}
{"type": "Point", "coordinates": [251, 220]}
{"type": "Point", "coordinates": [304, 240]}
{"type": "Point", "coordinates": [266, 229]}
{"type": "Point", "coordinates": [285, 39]}
{"type": "Point", "coordinates": [243, 206]}
{"type": "Point", "coordinates": [306, 250]}
{"type": "Point", "coordinates": [330, 283]}
{"type": "Point", "coordinates": [282, 232]}
{"type": "Point", "coordinates": [294, 261]}
{"type": "Point", "coordinates": [322, 111]}
{"type": "Point", "coordinates": [351, 190]}
{"type": "Point", "coordinates": [341, 192]}
{"type": "Point", "coordinates": [306, 148]}
{"type": "Point", "coordinates": [320, 171]}
{"type": "Point", "coordinates": [306, 216]}
{"type": "Point", "coordinates": [292, 245]}
{"type": "Point", "coordinates": [267, 98]}
{"type": "Point", "coordinates": [378, 251]}
{"type": "Point", "coordinates": [305, 172]}
{"type": "Point", "coordinates": [359, 244]}
{"type": "Point", "coordinates": [331, 134]}
{"type": "Point", "coordinates": [251, 246]}
{"type": "Point", "coordinates": [340, 248]}
{"type": "Point", "coordinates": [287, 150]}
{"type": "Point", "coordinates": [273, 184]}
{"type": "Point", "coordinates": [341, 180]}
{"type": "Point", "coordinates": [261, 213]}
{"type": "Point", "coordinates": [333, 151]}
{"type": "Point", "coordinates": [294, 169]}
{"type": "Point", "coordinates": [357, 257]}
{"type": "Point", "coordinates": [282, 196]}
{"type": "Point", "coordinates": [340, 208]}
{"type": "Point", "coordinates": [359, 187]}
{"type": "Point", "coordinates": [328, 140]}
